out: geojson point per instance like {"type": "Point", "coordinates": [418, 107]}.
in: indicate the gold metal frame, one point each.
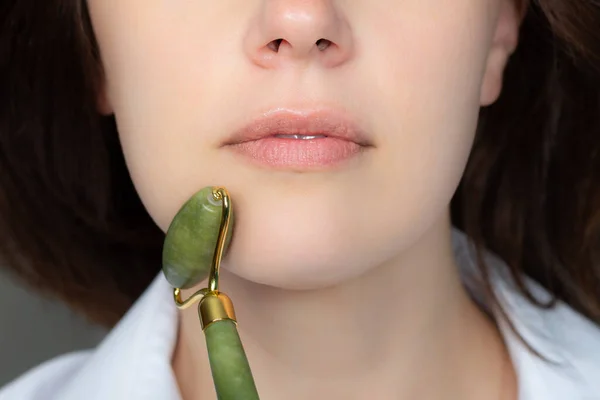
{"type": "Point", "coordinates": [219, 193]}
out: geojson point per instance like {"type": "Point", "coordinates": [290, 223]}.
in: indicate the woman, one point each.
{"type": "Point", "coordinates": [342, 131]}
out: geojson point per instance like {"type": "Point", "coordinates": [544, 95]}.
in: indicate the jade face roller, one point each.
{"type": "Point", "coordinates": [194, 245]}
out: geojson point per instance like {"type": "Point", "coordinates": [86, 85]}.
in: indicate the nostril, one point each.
{"type": "Point", "coordinates": [323, 44]}
{"type": "Point", "coordinates": [274, 45]}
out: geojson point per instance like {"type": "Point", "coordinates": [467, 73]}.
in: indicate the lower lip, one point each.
{"type": "Point", "coordinates": [300, 153]}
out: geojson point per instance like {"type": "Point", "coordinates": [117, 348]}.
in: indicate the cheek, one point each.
{"type": "Point", "coordinates": [165, 72]}
{"type": "Point", "coordinates": [425, 80]}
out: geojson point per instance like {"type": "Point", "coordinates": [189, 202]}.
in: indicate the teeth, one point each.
{"type": "Point", "coordinates": [302, 137]}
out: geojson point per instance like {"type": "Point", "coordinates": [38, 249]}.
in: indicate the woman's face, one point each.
{"type": "Point", "coordinates": [395, 86]}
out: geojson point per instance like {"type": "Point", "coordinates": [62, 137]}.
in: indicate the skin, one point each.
{"type": "Point", "coordinates": [343, 278]}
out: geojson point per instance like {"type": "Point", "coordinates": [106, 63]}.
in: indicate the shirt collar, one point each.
{"type": "Point", "coordinates": [134, 360]}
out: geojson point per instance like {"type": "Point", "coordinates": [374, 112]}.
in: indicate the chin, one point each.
{"type": "Point", "coordinates": [292, 250]}
{"type": "Point", "coordinates": [305, 251]}
{"type": "Point", "coordinates": [293, 272]}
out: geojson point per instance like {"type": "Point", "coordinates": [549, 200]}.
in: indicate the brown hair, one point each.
{"type": "Point", "coordinates": [72, 225]}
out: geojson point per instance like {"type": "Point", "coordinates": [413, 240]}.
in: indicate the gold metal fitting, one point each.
{"type": "Point", "coordinates": [184, 304]}
{"type": "Point", "coordinates": [215, 306]}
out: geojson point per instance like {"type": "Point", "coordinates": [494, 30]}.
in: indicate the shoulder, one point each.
{"type": "Point", "coordinates": [567, 365]}
{"type": "Point", "coordinates": [46, 380]}
{"type": "Point", "coordinates": [568, 341]}
{"type": "Point", "coordinates": [132, 362]}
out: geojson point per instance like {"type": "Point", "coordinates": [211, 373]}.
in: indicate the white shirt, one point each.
{"type": "Point", "coordinates": [134, 361]}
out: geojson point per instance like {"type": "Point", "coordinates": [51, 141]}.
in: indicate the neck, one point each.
{"type": "Point", "coordinates": [388, 334]}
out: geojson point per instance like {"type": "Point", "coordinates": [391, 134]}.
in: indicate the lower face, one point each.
{"type": "Point", "coordinates": [402, 78]}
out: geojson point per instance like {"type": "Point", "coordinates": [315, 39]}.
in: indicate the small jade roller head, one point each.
{"type": "Point", "coordinates": [189, 247]}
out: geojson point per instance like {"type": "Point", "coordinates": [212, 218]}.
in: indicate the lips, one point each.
{"type": "Point", "coordinates": [299, 139]}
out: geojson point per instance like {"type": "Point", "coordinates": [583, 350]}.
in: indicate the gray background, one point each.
{"type": "Point", "coordinates": [34, 329]}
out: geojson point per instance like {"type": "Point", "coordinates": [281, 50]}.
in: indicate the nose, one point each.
{"type": "Point", "coordinates": [287, 32]}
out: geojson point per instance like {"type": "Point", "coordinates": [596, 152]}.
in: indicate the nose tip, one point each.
{"type": "Point", "coordinates": [296, 31]}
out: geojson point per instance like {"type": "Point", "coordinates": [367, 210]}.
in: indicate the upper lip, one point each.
{"type": "Point", "coordinates": [326, 122]}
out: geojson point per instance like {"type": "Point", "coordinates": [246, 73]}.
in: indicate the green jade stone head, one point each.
{"type": "Point", "coordinates": [191, 240]}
